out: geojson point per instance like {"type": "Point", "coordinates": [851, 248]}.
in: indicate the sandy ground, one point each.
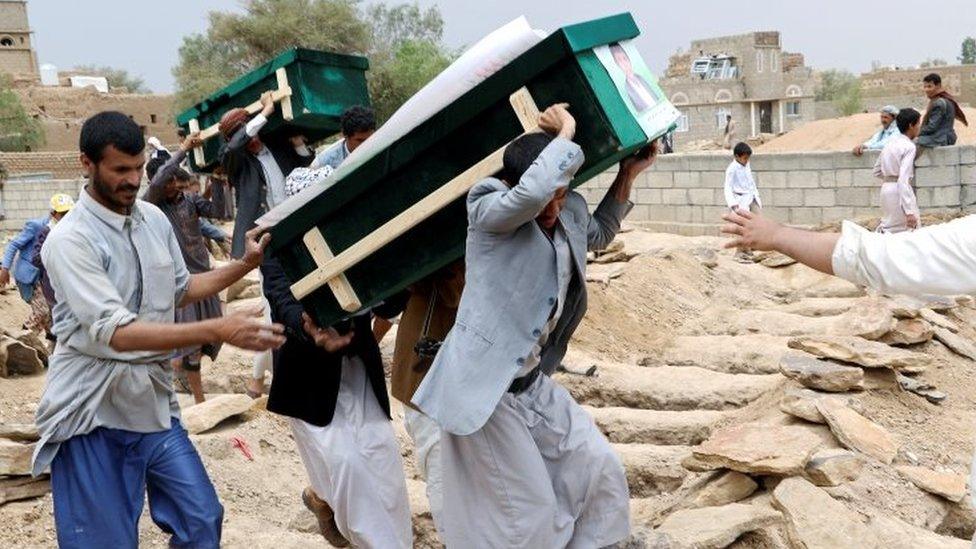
{"type": "Point", "coordinates": [843, 134]}
{"type": "Point", "coordinates": [684, 329]}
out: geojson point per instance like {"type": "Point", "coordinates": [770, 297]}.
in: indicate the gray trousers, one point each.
{"type": "Point", "coordinates": [538, 474]}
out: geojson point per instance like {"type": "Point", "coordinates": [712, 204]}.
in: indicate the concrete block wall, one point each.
{"type": "Point", "coordinates": [23, 199]}
{"type": "Point", "coordinates": [683, 193]}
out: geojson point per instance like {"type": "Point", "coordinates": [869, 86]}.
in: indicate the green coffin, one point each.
{"type": "Point", "coordinates": [561, 68]}
{"type": "Point", "coordinates": [323, 85]}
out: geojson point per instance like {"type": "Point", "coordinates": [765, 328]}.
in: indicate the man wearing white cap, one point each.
{"type": "Point", "coordinates": [18, 258]}
{"type": "Point", "coordinates": [880, 139]}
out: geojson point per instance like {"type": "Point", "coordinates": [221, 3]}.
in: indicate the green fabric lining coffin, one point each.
{"type": "Point", "coordinates": [561, 68]}
{"type": "Point", "coordinates": [323, 86]}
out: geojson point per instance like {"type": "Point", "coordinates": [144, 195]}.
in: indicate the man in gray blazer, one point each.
{"type": "Point", "coordinates": [523, 464]}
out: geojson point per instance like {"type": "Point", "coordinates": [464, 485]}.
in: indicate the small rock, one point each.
{"type": "Point", "coordinates": [22, 432]}
{"type": "Point", "coordinates": [729, 487]}
{"type": "Point", "coordinates": [621, 256]}
{"type": "Point", "coordinates": [802, 403]}
{"type": "Point", "coordinates": [857, 350]}
{"type": "Point", "coordinates": [832, 467]}
{"type": "Point", "coordinates": [305, 522]}
{"type": "Point", "coordinates": [948, 485]}
{"type": "Point", "coordinates": [941, 304]}
{"type": "Point", "coordinates": [206, 415]}
{"type": "Point", "coordinates": [603, 273]}
{"type": "Point", "coordinates": [820, 374]}
{"type": "Point", "coordinates": [18, 358]}
{"type": "Point", "coordinates": [814, 520]}
{"type": "Point", "coordinates": [716, 527]}
{"type": "Point", "coordinates": [856, 432]}
{"type": "Point", "coordinates": [15, 458]}
{"type": "Point", "coordinates": [938, 320]}
{"type": "Point", "coordinates": [707, 257]}
{"type": "Point", "coordinates": [921, 389]}
{"type": "Point", "coordinates": [955, 343]}
{"type": "Point", "coordinates": [777, 260]}
{"type": "Point", "coordinates": [908, 331]}
{"type": "Point", "coordinates": [20, 488]}
{"type": "Point", "coordinates": [760, 449]}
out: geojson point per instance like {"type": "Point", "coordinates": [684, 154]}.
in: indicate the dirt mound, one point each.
{"type": "Point", "coordinates": [843, 134]}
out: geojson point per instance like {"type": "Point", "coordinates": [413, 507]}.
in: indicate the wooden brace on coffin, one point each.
{"type": "Point", "coordinates": [330, 269]}
{"type": "Point", "coordinates": [281, 95]}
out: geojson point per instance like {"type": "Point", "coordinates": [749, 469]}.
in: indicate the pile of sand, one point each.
{"type": "Point", "coordinates": [843, 134]}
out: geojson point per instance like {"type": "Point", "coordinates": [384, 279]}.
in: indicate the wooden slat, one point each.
{"type": "Point", "coordinates": [525, 108]}
{"type": "Point", "coordinates": [198, 155]}
{"type": "Point", "coordinates": [322, 254]}
{"type": "Point", "coordinates": [412, 216]}
{"type": "Point", "coordinates": [282, 76]}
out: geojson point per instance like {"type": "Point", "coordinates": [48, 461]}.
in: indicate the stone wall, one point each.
{"type": "Point", "coordinates": [29, 197]}
{"type": "Point", "coordinates": [683, 193]}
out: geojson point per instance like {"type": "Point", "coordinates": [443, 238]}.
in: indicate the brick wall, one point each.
{"type": "Point", "coordinates": [23, 199]}
{"type": "Point", "coordinates": [683, 193]}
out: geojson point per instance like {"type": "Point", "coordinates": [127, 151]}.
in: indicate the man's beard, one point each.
{"type": "Point", "coordinates": [108, 195]}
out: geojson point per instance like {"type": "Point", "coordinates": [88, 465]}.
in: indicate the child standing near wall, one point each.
{"type": "Point", "coordinates": [740, 190]}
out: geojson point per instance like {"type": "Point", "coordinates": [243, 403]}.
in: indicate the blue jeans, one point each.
{"type": "Point", "coordinates": [100, 480]}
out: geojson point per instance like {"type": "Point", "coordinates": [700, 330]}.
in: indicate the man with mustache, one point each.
{"type": "Point", "coordinates": [108, 419]}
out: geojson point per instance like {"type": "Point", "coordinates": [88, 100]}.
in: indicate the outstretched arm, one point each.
{"type": "Point", "coordinates": [936, 260]}
{"type": "Point", "coordinates": [204, 285]}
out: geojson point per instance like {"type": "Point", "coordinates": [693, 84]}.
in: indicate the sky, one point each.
{"type": "Point", "coordinates": [144, 37]}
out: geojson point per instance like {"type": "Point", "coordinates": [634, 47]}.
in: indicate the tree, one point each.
{"type": "Point", "coordinates": [18, 130]}
{"type": "Point", "coordinates": [834, 83]}
{"type": "Point", "coordinates": [402, 40]}
{"type": "Point", "coordinates": [117, 78]}
{"type": "Point", "coordinates": [968, 56]}
{"type": "Point", "coordinates": [933, 62]}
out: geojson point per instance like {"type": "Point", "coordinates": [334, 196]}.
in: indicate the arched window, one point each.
{"type": "Point", "coordinates": [794, 91]}
{"type": "Point", "coordinates": [679, 98]}
{"type": "Point", "coordinates": [6, 41]}
{"type": "Point", "coordinates": [723, 96]}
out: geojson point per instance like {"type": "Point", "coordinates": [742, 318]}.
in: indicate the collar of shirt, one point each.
{"type": "Point", "coordinates": [115, 220]}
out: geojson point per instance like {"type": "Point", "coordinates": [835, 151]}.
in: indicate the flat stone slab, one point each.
{"type": "Point", "coordinates": [820, 374]}
{"type": "Point", "coordinates": [20, 488]}
{"type": "Point", "coordinates": [857, 350]}
{"type": "Point", "coordinates": [947, 485]}
{"type": "Point", "coordinates": [909, 331]}
{"type": "Point", "coordinates": [869, 318]}
{"type": "Point", "coordinates": [652, 469]}
{"type": "Point", "coordinates": [632, 425]}
{"type": "Point", "coordinates": [858, 433]}
{"type": "Point", "coordinates": [716, 527]}
{"type": "Point", "coordinates": [759, 449]}
{"type": "Point", "coordinates": [936, 319]}
{"type": "Point", "coordinates": [814, 520]}
{"type": "Point", "coordinates": [955, 343]}
{"type": "Point", "coordinates": [727, 487]}
{"type": "Point", "coordinates": [208, 414]}
{"type": "Point", "coordinates": [802, 403]}
{"type": "Point", "coordinates": [746, 354]}
{"type": "Point", "coordinates": [894, 533]}
{"type": "Point", "coordinates": [15, 457]}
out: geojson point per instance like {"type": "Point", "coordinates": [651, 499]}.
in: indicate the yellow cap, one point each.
{"type": "Point", "coordinates": [61, 203]}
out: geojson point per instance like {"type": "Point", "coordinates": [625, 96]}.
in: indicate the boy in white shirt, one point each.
{"type": "Point", "coordinates": [740, 190]}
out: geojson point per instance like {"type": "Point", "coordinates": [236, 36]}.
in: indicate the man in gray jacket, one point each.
{"type": "Point", "coordinates": [523, 464]}
{"type": "Point", "coordinates": [940, 116]}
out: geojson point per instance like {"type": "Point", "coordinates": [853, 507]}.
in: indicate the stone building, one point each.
{"type": "Point", "coordinates": [748, 76]}
{"type": "Point", "coordinates": [17, 57]}
{"type": "Point", "coordinates": [903, 86]}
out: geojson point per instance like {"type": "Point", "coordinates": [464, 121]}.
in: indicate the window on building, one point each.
{"type": "Point", "coordinates": [792, 108]}
{"type": "Point", "coordinates": [720, 116]}
{"type": "Point", "coordinates": [773, 61]}
{"type": "Point", "coordinates": [759, 61]}
{"type": "Point", "coordinates": [682, 123]}
{"type": "Point", "coordinates": [152, 118]}
{"type": "Point", "coordinates": [679, 98]}
{"type": "Point", "coordinates": [717, 67]}
{"type": "Point", "coordinates": [723, 96]}
{"type": "Point", "coordinates": [6, 41]}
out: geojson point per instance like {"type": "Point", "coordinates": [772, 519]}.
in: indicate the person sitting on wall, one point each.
{"type": "Point", "coordinates": [940, 116]}
{"type": "Point", "coordinates": [881, 137]}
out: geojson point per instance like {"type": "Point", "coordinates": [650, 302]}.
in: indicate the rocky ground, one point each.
{"type": "Point", "coordinates": [754, 406]}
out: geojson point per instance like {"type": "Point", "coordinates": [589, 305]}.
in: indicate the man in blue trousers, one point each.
{"type": "Point", "coordinates": [108, 418]}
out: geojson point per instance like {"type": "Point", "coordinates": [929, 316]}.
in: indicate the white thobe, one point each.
{"type": "Point", "coordinates": [354, 465]}
{"type": "Point", "coordinates": [896, 168]}
{"type": "Point", "coordinates": [740, 187]}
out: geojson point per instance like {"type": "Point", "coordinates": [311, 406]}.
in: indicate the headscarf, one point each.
{"type": "Point", "coordinates": [960, 116]}
{"type": "Point", "coordinates": [231, 121]}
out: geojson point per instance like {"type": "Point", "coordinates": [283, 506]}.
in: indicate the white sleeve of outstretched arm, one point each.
{"type": "Point", "coordinates": [939, 259]}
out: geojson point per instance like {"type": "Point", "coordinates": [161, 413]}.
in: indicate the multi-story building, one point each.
{"type": "Point", "coordinates": [747, 76]}
{"type": "Point", "coordinates": [17, 57]}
